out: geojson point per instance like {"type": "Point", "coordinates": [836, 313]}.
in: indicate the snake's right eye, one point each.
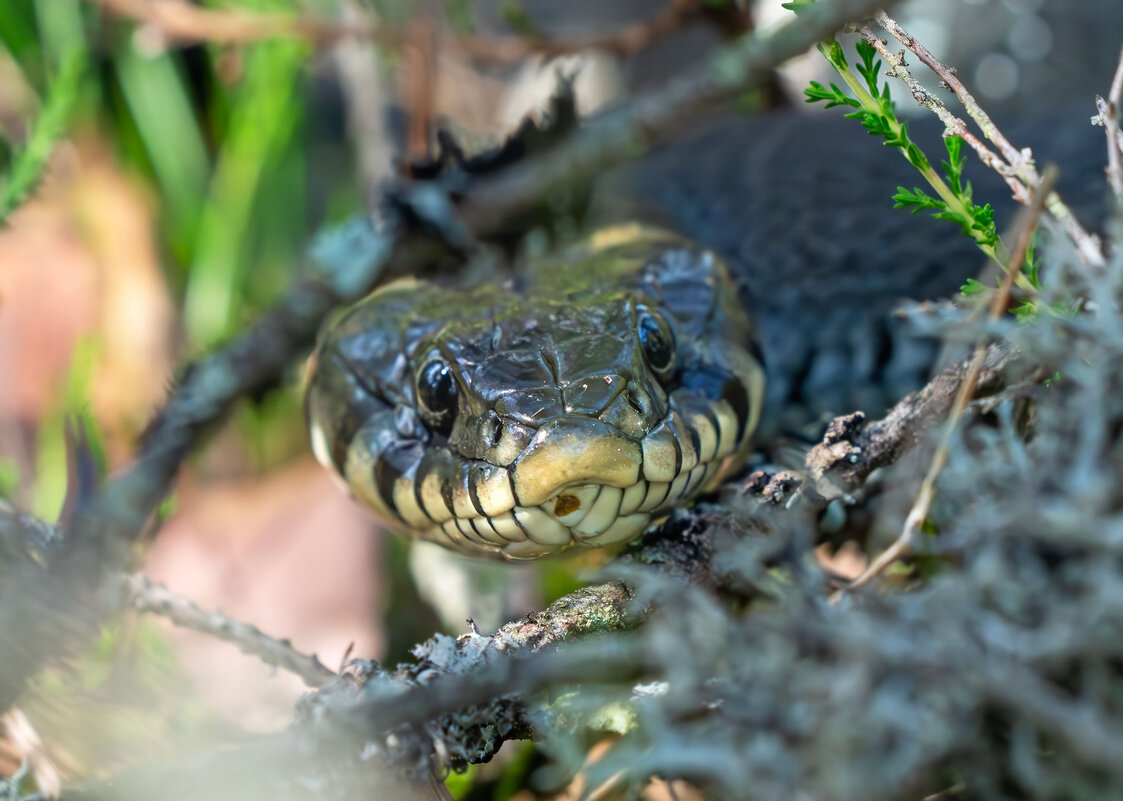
{"type": "Point", "coordinates": [658, 343]}
{"type": "Point", "coordinates": [436, 395]}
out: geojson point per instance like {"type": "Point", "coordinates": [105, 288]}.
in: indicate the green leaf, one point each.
{"type": "Point", "coordinates": [869, 67]}
{"type": "Point", "coordinates": [816, 92]}
{"type": "Point", "coordinates": [1032, 265]}
{"type": "Point", "coordinates": [798, 6]}
{"type": "Point", "coordinates": [972, 287]}
{"type": "Point", "coordinates": [916, 199]}
{"type": "Point", "coordinates": [29, 161]}
{"type": "Point", "coordinates": [833, 53]}
{"type": "Point", "coordinates": [519, 21]}
{"type": "Point", "coordinates": [953, 166]}
{"type": "Point", "coordinates": [1025, 311]}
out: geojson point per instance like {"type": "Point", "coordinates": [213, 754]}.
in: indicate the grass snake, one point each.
{"type": "Point", "coordinates": [580, 401]}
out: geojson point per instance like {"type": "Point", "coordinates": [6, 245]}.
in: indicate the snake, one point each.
{"type": "Point", "coordinates": [571, 407]}
{"type": "Point", "coordinates": [582, 400]}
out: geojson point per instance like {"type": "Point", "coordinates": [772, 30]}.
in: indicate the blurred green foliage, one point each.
{"type": "Point", "coordinates": [225, 139]}
{"type": "Point", "coordinates": [221, 134]}
{"type": "Point", "coordinates": [244, 153]}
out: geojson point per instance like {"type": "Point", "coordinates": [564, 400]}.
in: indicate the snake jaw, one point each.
{"type": "Point", "coordinates": [582, 483]}
{"type": "Point", "coordinates": [571, 450]}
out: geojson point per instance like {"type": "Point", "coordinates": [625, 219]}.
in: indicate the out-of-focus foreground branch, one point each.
{"type": "Point", "coordinates": [55, 590]}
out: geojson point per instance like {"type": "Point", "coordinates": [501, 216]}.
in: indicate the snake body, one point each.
{"type": "Point", "coordinates": [557, 427]}
{"type": "Point", "coordinates": [571, 407]}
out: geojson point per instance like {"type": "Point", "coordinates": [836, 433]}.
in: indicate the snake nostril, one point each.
{"type": "Point", "coordinates": [639, 400]}
{"type": "Point", "coordinates": [491, 429]}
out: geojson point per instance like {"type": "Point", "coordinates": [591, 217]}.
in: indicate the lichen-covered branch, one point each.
{"type": "Point", "coordinates": [851, 448]}
{"type": "Point", "coordinates": [146, 596]}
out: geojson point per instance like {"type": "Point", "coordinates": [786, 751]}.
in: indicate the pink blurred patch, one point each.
{"type": "Point", "coordinates": [288, 553]}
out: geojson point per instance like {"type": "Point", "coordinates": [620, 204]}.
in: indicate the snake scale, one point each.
{"type": "Point", "coordinates": [583, 399]}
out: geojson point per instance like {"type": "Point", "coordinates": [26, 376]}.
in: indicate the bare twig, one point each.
{"type": "Point", "coordinates": [145, 596]}
{"type": "Point", "coordinates": [922, 505]}
{"type": "Point", "coordinates": [1020, 161]}
{"type": "Point", "coordinates": [954, 126]}
{"type": "Point", "coordinates": [1108, 117]}
{"type": "Point", "coordinates": [852, 448]}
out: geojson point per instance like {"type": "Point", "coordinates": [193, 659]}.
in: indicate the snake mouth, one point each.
{"type": "Point", "coordinates": [582, 483]}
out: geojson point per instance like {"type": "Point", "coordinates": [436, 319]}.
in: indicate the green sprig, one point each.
{"type": "Point", "coordinates": [870, 103]}
{"type": "Point", "coordinates": [30, 161]}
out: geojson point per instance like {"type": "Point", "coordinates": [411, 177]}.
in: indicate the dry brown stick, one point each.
{"type": "Point", "coordinates": [421, 83]}
{"type": "Point", "coordinates": [921, 507]}
{"type": "Point", "coordinates": [1021, 161]}
{"type": "Point", "coordinates": [186, 23]}
{"type": "Point", "coordinates": [147, 596]}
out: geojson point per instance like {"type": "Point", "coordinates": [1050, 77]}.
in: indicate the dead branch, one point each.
{"type": "Point", "coordinates": [851, 449]}
{"type": "Point", "coordinates": [146, 596]}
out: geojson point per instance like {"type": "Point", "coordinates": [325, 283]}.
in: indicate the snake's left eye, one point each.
{"type": "Point", "coordinates": [657, 341]}
{"type": "Point", "coordinates": [436, 395]}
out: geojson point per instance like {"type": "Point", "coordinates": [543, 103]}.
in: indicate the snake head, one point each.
{"type": "Point", "coordinates": [569, 407]}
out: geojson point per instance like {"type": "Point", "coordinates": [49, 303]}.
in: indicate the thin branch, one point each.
{"type": "Point", "coordinates": [146, 596]}
{"type": "Point", "coordinates": [186, 23]}
{"type": "Point", "coordinates": [1021, 161]}
{"type": "Point", "coordinates": [954, 126]}
{"type": "Point", "coordinates": [921, 507]}
{"type": "Point", "coordinates": [421, 86]}
{"type": "Point", "coordinates": [1108, 117]}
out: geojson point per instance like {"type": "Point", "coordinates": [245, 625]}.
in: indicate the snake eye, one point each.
{"type": "Point", "coordinates": [657, 341]}
{"type": "Point", "coordinates": [436, 395]}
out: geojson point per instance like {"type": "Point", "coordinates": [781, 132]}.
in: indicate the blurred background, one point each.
{"type": "Point", "coordinates": [189, 153]}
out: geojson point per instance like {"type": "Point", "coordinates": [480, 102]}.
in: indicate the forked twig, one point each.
{"type": "Point", "coordinates": [954, 126]}
{"type": "Point", "coordinates": [147, 596]}
{"type": "Point", "coordinates": [1019, 161]}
